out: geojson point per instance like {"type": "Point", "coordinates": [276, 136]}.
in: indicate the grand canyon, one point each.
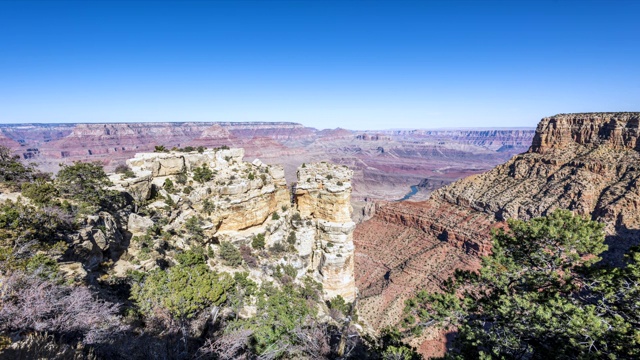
{"type": "Point", "coordinates": [387, 165]}
{"type": "Point", "coordinates": [373, 216]}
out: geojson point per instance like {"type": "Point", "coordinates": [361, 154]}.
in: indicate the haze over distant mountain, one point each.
{"type": "Point", "coordinates": [386, 163]}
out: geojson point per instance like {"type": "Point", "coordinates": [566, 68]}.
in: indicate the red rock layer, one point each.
{"type": "Point", "coordinates": [588, 163]}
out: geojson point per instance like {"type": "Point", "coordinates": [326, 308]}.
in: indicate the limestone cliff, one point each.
{"type": "Point", "coordinates": [239, 201]}
{"type": "Point", "coordinates": [323, 193]}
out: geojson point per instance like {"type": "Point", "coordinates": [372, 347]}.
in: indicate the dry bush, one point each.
{"type": "Point", "coordinates": [30, 303]}
{"type": "Point", "coordinates": [229, 346]}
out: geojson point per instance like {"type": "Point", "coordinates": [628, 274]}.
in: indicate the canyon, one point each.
{"type": "Point", "coordinates": [385, 163]}
{"type": "Point", "coordinates": [330, 211]}
{"type": "Point", "coordinates": [587, 163]}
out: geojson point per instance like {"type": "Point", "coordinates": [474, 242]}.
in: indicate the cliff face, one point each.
{"type": "Point", "coordinates": [588, 163]}
{"type": "Point", "coordinates": [618, 131]}
{"type": "Point", "coordinates": [5, 141]}
{"type": "Point", "coordinates": [323, 193]}
{"type": "Point", "coordinates": [241, 201]}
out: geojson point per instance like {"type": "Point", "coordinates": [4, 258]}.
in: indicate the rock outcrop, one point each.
{"type": "Point", "coordinates": [236, 201]}
{"type": "Point", "coordinates": [323, 193]}
{"type": "Point", "coordinates": [588, 163]}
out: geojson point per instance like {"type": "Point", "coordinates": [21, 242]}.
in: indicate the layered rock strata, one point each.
{"type": "Point", "coordinates": [588, 163]}
{"type": "Point", "coordinates": [385, 163]}
{"type": "Point", "coordinates": [323, 193]}
{"type": "Point", "coordinates": [239, 201]}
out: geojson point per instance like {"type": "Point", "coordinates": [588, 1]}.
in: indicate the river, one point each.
{"type": "Point", "coordinates": [414, 190]}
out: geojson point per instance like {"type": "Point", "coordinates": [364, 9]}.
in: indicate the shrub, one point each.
{"type": "Point", "coordinates": [169, 201]}
{"type": "Point", "coordinates": [182, 290]}
{"type": "Point", "coordinates": [247, 256]}
{"type": "Point", "coordinates": [338, 303]}
{"type": "Point", "coordinates": [122, 168]}
{"type": "Point", "coordinates": [128, 174]}
{"type": "Point", "coordinates": [287, 269]}
{"type": "Point", "coordinates": [40, 192]}
{"type": "Point", "coordinates": [208, 207]}
{"type": "Point", "coordinates": [194, 227]}
{"type": "Point", "coordinates": [181, 178]}
{"type": "Point", "coordinates": [258, 241]}
{"type": "Point", "coordinates": [292, 238]}
{"type": "Point", "coordinates": [543, 270]}
{"type": "Point", "coordinates": [244, 284]}
{"type": "Point", "coordinates": [30, 303]}
{"type": "Point", "coordinates": [202, 174]}
{"type": "Point", "coordinates": [230, 254]}
{"type": "Point", "coordinates": [201, 149]}
{"type": "Point", "coordinates": [168, 185]}
{"type": "Point", "coordinates": [12, 171]}
{"type": "Point", "coordinates": [275, 216]}
{"type": "Point", "coordinates": [160, 148]}
{"type": "Point", "coordinates": [191, 257]}
{"type": "Point", "coordinates": [83, 181]}
{"type": "Point", "coordinates": [281, 313]}
{"type": "Point", "coordinates": [277, 248]}
{"type": "Point", "coordinates": [251, 176]}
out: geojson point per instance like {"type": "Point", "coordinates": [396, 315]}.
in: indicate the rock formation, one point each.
{"type": "Point", "coordinates": [323, 193]}
{"type": "Point", "coordinates": [385, 163]}
{"type": "Point", "coordinates": [237, 201]}
{"type": "Point", "coordinates": [588, 163]}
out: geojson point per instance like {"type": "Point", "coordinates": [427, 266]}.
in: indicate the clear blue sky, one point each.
{"type": "Point", "coordinates": [353, 64]}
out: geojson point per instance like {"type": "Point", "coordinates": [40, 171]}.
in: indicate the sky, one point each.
{"type": "Point", "coordinates": [325, 64]}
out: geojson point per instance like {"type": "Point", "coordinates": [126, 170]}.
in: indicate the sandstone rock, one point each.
{"type": "Point", "coordinates": [138, 224]}
{"type": "Point", "coordinates": [323, 193]}
{"type": "Point", "coordinates": [72, 270]}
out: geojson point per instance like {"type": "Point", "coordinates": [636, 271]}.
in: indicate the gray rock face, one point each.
{"type": "Point", "coordinates": [138, 224]}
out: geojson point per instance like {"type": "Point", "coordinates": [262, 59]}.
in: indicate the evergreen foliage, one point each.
{"type": "Point", "coordinates": [84, 182]}
{"type": "Point", "coordinates": [12, 171]}
{"type": "Point", "coordinates": [258, 241]}
{"type": "Point", "coordinates": [40, 192]}
{"type": "Point", "coordinates": [230, 254]}
{"type": "Point", "coordinates": [202, 174]}
{"type": "Point", "coordinates": [183, 290]}
{"type": "Point", "coordinates": [194, 227]}
{"type": "Point", "coordinates": [540, 295]}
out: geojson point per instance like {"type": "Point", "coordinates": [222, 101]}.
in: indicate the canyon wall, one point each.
{"type": "Point", "coordinates": [588, 163]}
{"type": "Point", "coordinates": [385, 163]}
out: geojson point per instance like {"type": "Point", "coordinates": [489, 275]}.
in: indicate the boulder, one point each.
{"type": "Point", "coordinates": [138, 224]}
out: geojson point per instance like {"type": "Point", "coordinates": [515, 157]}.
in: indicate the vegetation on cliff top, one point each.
{"type": "Point", "coordinates": [181, 309]}
{"type": "Point", "coordinates": [541, 294]}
